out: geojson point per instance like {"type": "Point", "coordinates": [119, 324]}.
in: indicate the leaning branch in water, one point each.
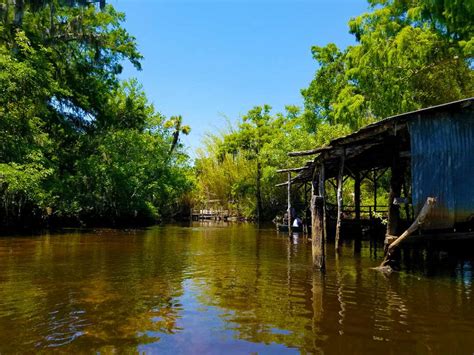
{"type": "Point", "coordinates": [420, 220]}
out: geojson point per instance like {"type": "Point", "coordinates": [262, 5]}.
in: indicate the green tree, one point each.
{"type": "Point", "coordinates": [77, 143]}
{"type": "Point", "coordinates": [409, 55]}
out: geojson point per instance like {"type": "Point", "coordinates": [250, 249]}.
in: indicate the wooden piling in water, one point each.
{"type": "Point", "coordinates": [357, 182]}
{"type": "Point", "coordinates": [340, 182]}
{"type": "Point", "coordinates": [289, 203]}
{"type": "Point", "coordinates": [396, 181]}
{"type": "Point", "coordinates": [318, 231]}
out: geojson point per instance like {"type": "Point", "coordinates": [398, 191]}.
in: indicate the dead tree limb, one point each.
{"type": "Point", "coordinates": [419, 221]}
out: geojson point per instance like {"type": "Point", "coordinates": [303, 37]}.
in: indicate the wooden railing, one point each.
{"type": "Point", "coordinates": [210, 214]}
{"type": "Point", "coordinates": [349, 211]}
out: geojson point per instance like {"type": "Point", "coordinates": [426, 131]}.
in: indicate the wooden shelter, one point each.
{"type": "Point", "coordinates": [426, 153]}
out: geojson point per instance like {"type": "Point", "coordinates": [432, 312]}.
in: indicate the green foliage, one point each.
{"type": "Point", "coordinates": [126, 176]}
{"type": "Point", "coordinates": [77, 144]}
{"type": "Point", "coordinates": [410, 55]}
{"type": "Point", "coordinates": [238, 166]}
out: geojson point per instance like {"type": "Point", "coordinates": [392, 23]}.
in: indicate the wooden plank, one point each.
{"type": "Point", "coordinates": [309, 152]}
{"type": "Point", "coordinates": [295, 170]}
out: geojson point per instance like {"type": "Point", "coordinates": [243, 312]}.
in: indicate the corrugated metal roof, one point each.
{"type": "Point", "coordinates": [379, 127]}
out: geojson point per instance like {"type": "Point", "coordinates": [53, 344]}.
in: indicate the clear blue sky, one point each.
{"type": "Point", "coordinates": [205, 59]}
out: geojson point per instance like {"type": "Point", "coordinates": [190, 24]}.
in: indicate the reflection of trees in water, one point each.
{"type": "Point", "coordinates": [81, 291]}
{"type": "Point", "coordinates": [112, 291]}
{"type": "Point", "coordinates": [364, 309]}
{"type": "Point", "coordinates": [264, 285]}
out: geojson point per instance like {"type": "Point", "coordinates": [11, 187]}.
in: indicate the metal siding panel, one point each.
{"type": "Point", "coordinates": [443, 166]}
{"type": "Point", "coordinates": [463, 172]}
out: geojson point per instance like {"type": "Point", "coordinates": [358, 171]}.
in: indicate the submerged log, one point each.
{"type": "Point", "coordinates": [419, 221]}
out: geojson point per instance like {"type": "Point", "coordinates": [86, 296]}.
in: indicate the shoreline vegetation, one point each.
{"type": "Point", "coordinates": [79, 146]}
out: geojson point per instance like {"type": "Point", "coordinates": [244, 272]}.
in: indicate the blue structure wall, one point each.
{"type": "Point", "coordinates": [442, 165]}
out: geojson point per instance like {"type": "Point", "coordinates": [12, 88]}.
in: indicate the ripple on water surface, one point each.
{"type": "Point", "coordinates": [232, 289]}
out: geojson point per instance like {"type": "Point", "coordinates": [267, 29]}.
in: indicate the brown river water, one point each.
{"type": "Point", "coordinates": [224, 289]}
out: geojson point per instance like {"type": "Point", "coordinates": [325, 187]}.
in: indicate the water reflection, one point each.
{"type": "Point", "coordinates": [227, 288]}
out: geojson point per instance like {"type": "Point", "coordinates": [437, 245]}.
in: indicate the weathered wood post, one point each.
{"type": "Point", "coordinates": [305, 224]}
{"type": "Point", "coordinates": [340, 182]}
{"type": "Point", "coordinates": [375, 190]}
{"type": "Point", "coordinates": [289, 203]}
{"type": "Point", "coordinates": [396, 181]}
{"type": "Point", "coordinates": [322, 193]}
{"type": "Point", "coordinates": [357, 183]}
{"type": "Point", "coordinates": [318, 231]}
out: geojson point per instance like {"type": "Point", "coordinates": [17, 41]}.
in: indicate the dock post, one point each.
{"type": "Point", "coordinates": [357, 194]}
{"type": "Point", "coordinates": [318, 230]}
{"type": "Point", "coordinates": [340, 182]}
{"type": "Point", "coordinates": [396, 181]}
{"type": "Point", "coordinates": [289, 204]}
{"type": "Point", "coordinates": [322, 193]}
{"type": "Point", "coordinates": [375, 190]}
{"type": "Point", "coordinates": [305, 224]}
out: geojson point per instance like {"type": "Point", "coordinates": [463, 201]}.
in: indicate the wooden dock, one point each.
{"type": "Point", "coordinates": [210, 214]}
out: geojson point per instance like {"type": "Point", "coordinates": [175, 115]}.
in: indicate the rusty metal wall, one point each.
{"type": "Point", "coordinates": [442, 165]}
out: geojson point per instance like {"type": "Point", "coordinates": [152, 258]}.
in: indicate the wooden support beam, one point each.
{"type": "Point", "coordinates": [317, 222]}
{"type": "Point", "coordinates": [322, 193]}
{"type": "Point", "coordinates": [396, 182]}
{"type": "Point", "coordinates": [334, 184]}
{"type": "Point", "coordinates": [340, 183]}
{"type": "Point", "coordinates": [357, 183]}
{"type": "Point", "coordinates": [305, 213]}
{"type": "Point", "coordinates": [291, 170]}
{"type": "Point", "coordinates": [308, 152]}
{"type": "Point", "coordinates": [365, 175]}
{"type": "Point", "coordinates": [407, 197]}
{"type": "Point", "coordinates": [289, 203]}
{"type": "Point", "coordinates": [383, 171]}
{"type": "Point", "coordinates": [375, 190]}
